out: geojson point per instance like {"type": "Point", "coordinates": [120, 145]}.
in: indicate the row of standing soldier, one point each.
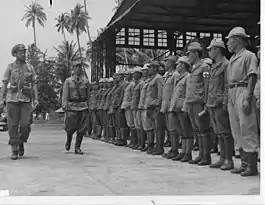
{"type": "Point", "coordinates": [192, 97]}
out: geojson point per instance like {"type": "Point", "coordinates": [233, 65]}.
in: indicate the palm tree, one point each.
{"type": "Point", "coordinates": [34, 12]}
{"type": "Point", "coordinates": [78, 23]}
{"type": "Point", "coordinates": [62, 23]}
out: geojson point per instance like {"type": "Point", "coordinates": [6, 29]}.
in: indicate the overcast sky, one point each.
{"type": "Point", "coordinates": [14, 30]}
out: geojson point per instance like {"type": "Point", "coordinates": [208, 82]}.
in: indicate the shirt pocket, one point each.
{"type": "Point", "coordinates": [83, 90]}
{"type": "Point", "coordinates": [27, 78]}
{"type": "Point", "coordinates": [14, 77]}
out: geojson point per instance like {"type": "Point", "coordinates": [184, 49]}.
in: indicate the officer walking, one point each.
{"type": "Point", "coordinates": [76, 92]}
{"type": "Point", "coordinates": [18, 97]}
{"type": "Point", "coordinates": [242, 77]}
{"type": "Point", "coordinates": [217, 105]}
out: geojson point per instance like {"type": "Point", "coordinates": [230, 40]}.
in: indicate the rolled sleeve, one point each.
{"type": "Point", "coordinates": [252, 64]}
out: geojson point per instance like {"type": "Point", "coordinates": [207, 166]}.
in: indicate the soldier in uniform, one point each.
{"type": "Point", "coordinates": [120, 120]}
{"type": "Point", "coordinates": [111, 110]}
{"type": "Point", "coordinates": [136, 90]}
{"type": "Point", "coordinates": [92, 105]}
{"type": "Point", "coordinates": [217, 106]}
{"type": "Point", "coordinates": [167, 95]}
{"type": "Point", "coordinates": [76, 92]}
{"type": "Point", "coordinates": [242, 75]}
{"type": "Point", "coordinates": [152, 115]}
{"type": "Point", "coordinates": [18, 97]}
{"type": "Point", "coordinates": [140, 113]}
{"type": "Point", "coordinates": [195, 101]}
{"type": "Point", "coordinates": [98, 112]}
{"type": "Point", "coordinates": [179, 120]}
{"type": "Point", "coordinates": [126, 106]}
{"type": "Point", "coordinates": [104, 95]}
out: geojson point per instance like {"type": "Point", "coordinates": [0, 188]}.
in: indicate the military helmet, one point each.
{"type": "Point", "coordinates": [16, 48]}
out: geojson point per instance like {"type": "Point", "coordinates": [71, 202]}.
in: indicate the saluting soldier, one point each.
{"type": "Point", "coordinates": [195, 100]}
{"type": "Point", "coordinates": [126, 106]}
{"type": "Point", "coordinates": [242, 75]}
{"type": "Point", "coordinates": [153, 118]}
{"type": "Point", "coordinates": [18, 97]}
{"type": "Point", "coordinates": [217, 106]}
{"type": "Point", "coordinates": [76, 92]}
{"type": "Point", "coordinates": [170, 66]}
{"type": "Point", "coordinates": [141, 109]}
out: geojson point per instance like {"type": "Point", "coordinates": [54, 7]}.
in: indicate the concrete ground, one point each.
{"type": "Point", "coordinates": [47, 170]}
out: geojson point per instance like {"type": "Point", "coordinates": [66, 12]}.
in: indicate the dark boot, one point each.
{"type": "Point", "coordinates": [221, 160]}
{"type": "Point", "coordinates": [159, 150]}
{"type": "Point", "coordinates": [244, 162]}
{"type": "Point", "coordinates": [151, 139]}
{"type": "Point", "coordinates": [135, 139]}
{"type": "Point", "coordinates": [201, 151]}
{"type": "Point", "coordinates": [143, 146]}
{"type": "Point", "coordinates": [123, 137]}
{"type": "Point", "coordinates": [14, 152]}
{"type": "Point", "coordinates": [180, 155]}
{"type": "Point", "coordinates": [138, 143]}
{"type": "Point", "coordinates": [68, 142]}
{"type": "Point", "coordinates": [99, 132]}
{"type": "Point", "coordinates": [229, 148]}
{"type": "Point", "coordinates": [130, 139]}
{"type": "Point", "coordinates": [168, 141]}
{"type": "Point", "coordinates": [215, 141]}
{"type": "Point", "coordinates": [78, 142]}
{"type": "Point", "coordinates": [188, 148]}
{"type": "Point", "coordinates": [173, 152]}
{"type": "Point", "coordinates": [21, 150]}
{"type": "Point", "coordinates": [252, 168]}
{"type": "Point", "coordinates": [207, 141]}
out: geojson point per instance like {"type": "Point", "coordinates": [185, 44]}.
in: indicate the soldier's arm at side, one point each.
{"type": "Point", "coordinates": [225, 100]}
{"type": "Point", "coordinates": [65, 94]}
{"type": "Point", "coordinates": [160, 84]}
{"type": "Point", "coordinates": [5, 81]}
{"type": "Point", "coordinates": [252, 65]}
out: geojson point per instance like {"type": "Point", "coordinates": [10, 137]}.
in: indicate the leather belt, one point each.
{"type": "Point", "coordinates": [77, 100]}
{"type": "Point", "coordinates": [236, 85]}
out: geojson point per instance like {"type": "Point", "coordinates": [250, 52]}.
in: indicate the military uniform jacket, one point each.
{"type": "Point", "coordinates": [93, 100]}
{"type": "Point", "coordinates": [257, 88]}
{"type": "Point", "coordinates": [168, 90]}
{"type": "Point", "coordinates": [216, 87]}
{"type": "Point", "coordinates": [118, 95]}
{"type": "Point", "coordinates": [136, 92]}
{"type": "Point", "coordinates": [195, 85]}
{"type": "Point", "coordinates": [76, 94]}
{"type": "Point", "coordinates": [103, 98]}
{"type": "Point", "coordinates": [154, 92]}
{"type": "Point", "coordinates": [100, 96]}
{"type": "Point", "coordinates": [127, 97]}
{"type": "Point", "coordinates": [22, 78]}
{"type": "Point", "coordinates": [108, 101]}
{"type": "Point", "coordinates": [177, 102]}
{"type": "Point", "coordinates": [143, 88]}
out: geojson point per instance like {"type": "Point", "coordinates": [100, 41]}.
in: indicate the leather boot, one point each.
{"type": "Point", "coordinates": [78, 142]}
{"type": "Point", "coordinates": [118, 136]}
{"type": "Point", "coordinates": [122, 141]}
{"type": "Point", "coordinates": [207, 141]}
{"type": "Point", "coordinates": [215, 142]}
{"type": "Point", "coordinates": [221, 160]}
{"type": "Point", "coordinates": [180, 155]}
{"type": "Point", "coordinates": [244, 162]}
{"type": "Point", "coordinates": [188, 148]}
{"type": "Point", "coordinates": [113, 135]}
{"type": "Point", "coordinates": [137, 140]}
{"type": "Point", "coordinates": [21, 149]}
{"type": "Point", "coordinates": [201, 151]}
{"type": "Point", "coordinates": [173, 152]}
{"type": "Point", "coordinates": [131, 139]}
{"type": "Point", "coordinates": [229, 148]}
{"type": "Point", "coordinates": [252, 168]}
{"type": "Point", "coordinates": [168, 141]}
{"type": "Point", "coordinates": [159, 150]}
{"type": "Point", "coordinates": [151, 139]}
{"type": "Point", "coordinates": [68, 142]}
{"type": "Point", "coordinates": [143, 145]}
{"type": "Point", "coordinates": [99, 132]}
{"type": "Point", "coordinates": [14, 152]}
{"type": "Point", "coordinates": [140, 139]}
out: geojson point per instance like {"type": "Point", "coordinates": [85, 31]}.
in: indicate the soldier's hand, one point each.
{"type": "Point", "coordinates": [247, 106]}
{"type": "Point", "coordinates": [36, 102]}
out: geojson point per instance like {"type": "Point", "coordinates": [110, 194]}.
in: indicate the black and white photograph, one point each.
{"type": "Point", "coordinates": [137, 99]}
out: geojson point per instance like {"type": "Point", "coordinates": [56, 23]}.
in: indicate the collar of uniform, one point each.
{"type": "Point", "coordinates": [217, 64]}
{"type": "Point", "coordinates": [235, 56]}
{"type": "Point", "coordinates": [152, 77]}
{"type": "Point", "coordinates": [197, 65]}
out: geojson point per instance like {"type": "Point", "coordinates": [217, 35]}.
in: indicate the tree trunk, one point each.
{"type": "Point", "coordinates": [88, 32]}
{"type": "Point", "coordinates": [34, 31]}
{"type": "Point", "coordinates": [79, 48]}
{"type": "Point", "coordinates": [64, 36]}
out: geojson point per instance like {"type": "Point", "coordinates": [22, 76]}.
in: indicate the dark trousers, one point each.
{"type": "Point", "coordinates": [18, 120]}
